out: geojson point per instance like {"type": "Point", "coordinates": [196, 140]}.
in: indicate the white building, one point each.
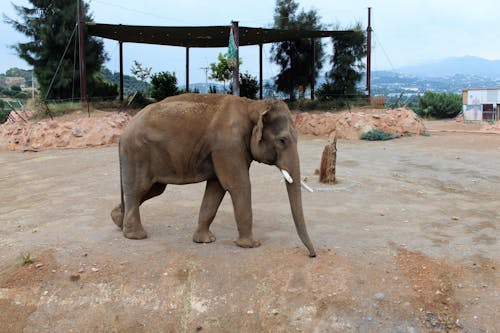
{"type": "Point", "coordinates": [481, 104]}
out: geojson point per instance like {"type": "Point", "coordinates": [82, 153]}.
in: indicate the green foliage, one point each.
{"type": "Point", "coordinates": [140, 101]}
{"type": "Point", "coordinates": [141, 73]}
{"type": "Point", "coordinates": [295, 56]}
{"type": "Point", "coordinates": [130, 83]}
{"type": "Point", "coordinates": [4, 112]}
{"type": "Point", "coordinates": [102, 89]}
{"type": "Point", "coordinates": [48, 26]}
{"type": "Point", "coordinates": [222, 71]}
{"type": "Point", "coordinates": [164, 85]}
{"type": "Point", "coordinates": [248, 86]}
{"type": "Point", "coordinates": [26, 259]}
{"type": "Point", "coordinates": [348, 51]}
{"type": "Point", "coordinates": [376, 135]}
{"type": "Point", "coordinates": [439, 105]}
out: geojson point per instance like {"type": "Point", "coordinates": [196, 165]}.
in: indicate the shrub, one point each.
{"type": "Point", "coordinates": [102, 89]}
{"type": "Point", "coordinates": [376, 135]}
{"type": "Point", "coordinates": [439, 105]}
{"type": "Point", "coordinates": [164, 85]}
{"type": "Point", "coordinates": [248, 86]}
{"type": "Point", "coordinates": [140, 101]}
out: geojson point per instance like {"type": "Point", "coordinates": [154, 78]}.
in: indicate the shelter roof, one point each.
{"type": "Point", "coordinates": [201, 36]}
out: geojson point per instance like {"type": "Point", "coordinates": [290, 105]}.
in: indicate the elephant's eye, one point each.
{"type": "Point", "coordinates": [282, 141]}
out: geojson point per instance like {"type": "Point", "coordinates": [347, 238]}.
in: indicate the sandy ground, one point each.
{"type": "Point", "coordinates": [407, 241]}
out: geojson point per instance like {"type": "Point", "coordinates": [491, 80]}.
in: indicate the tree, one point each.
{"type": "Point", "coordinates": [439, 105]}
{"type": "Point", "coordinates": [164, 85]}
{"type": "Point", "coordinates": [295, 57]}
{"type": "Point", "coordinates": [348, 51]}
{"type": "Point", "coordinates": [141, 73]}
{"type": "Point", "coordinates": [223, 70]}
{"type": "Point", "coordinates": [50, 26]}
{"type": "Point", "coordinates": [248, 86]}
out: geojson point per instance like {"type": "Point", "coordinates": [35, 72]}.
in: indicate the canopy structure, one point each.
{"type": "Point", "coordinates": [207, 36]}
{"type": "Point", "coordinates": [202, 37]}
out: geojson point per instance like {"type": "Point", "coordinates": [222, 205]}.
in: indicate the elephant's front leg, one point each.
{"type": "Point", "coordinates": [231, 168]}
{"type": "Point", "coordinates": [242, 204]}
{"type": "Point", "coordinates": [214, 193]}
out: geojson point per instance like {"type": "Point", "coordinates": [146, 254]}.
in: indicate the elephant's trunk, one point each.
{"type": "Point", "coordinates": [295, 197]}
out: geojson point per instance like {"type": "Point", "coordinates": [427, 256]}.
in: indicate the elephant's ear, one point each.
{"type": "Point", "coordinates": [257, 113]}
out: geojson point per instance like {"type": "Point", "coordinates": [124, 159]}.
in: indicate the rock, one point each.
{"type": "Point", "coordinates": [39, 265]}
{"type": "Point", "coordinates": [95, 269]}
{"type": "Point", "coordinates": [74, 277]}
{"type": "Point", "coordinates": [77, 131]}
{"type": "Point", "coordinates": [378, 296]}
{"type": "Point", "coordinates": [81, 270]}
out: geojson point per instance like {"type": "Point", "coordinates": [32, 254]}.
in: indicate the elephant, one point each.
{"type": "Point", "coordinates": [192, 138]}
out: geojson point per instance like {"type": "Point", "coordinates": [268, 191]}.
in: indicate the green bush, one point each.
{"type": "Point", "coordinates": [248, 86]}
{"type": "Point", "coordinates": [164, 85]}
{"type": "Point", "coordinates": [376, 135]}
{"type": "Point", "coordinates": [140, 101]}
{"type": "Point", "coordinates": [439, 105]}
{"type": "Point", "coordinates": [4, 113]}
{"type": "Point", "coordinates": [100, 89]}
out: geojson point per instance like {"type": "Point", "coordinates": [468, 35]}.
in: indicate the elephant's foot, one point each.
{"type": "Point", "coordinates": [203, 236]}
{"type": "Point", "coordinates": [136, 233]}
{"type": "Point", "coordinates": [117, 216]}
{"type": "Point", "coordinates": [247, 242]}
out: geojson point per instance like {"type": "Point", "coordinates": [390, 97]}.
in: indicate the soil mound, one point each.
{"type": "Point", "coordinates": [19, 134]}
{"type": "Point", "coordinates": [79, 133]}
{"type": "Point", "coordinates": [351, 125]}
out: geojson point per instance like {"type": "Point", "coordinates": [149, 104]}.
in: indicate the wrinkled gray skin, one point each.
{"type": "Point", "coordinates": [192, 138]}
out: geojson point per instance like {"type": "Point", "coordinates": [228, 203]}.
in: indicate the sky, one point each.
{"type": "Point", "coordinates": [404, 32]}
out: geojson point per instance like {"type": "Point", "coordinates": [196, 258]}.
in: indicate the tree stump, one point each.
{"type": "Point", "coordinates": [328, 161]}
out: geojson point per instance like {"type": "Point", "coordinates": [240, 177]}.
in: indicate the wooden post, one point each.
{"type": "Point", "coordinates": [121, 70]}
{"type": "Point", "coordinates": [81, 53]}
{"type": "Point", "coordinates": [328, 161]}
{"type": "Point", "coordinates": [187, 69]}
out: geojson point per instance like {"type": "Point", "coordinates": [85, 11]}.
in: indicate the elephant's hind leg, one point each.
{"type": "Point", "coordinates": [136, 191]}
{"type": "Point", "coordinates": [132, 227]}
{"type": "Point", "coordinates": [214, 193]}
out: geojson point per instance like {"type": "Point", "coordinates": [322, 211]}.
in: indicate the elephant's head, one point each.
{"type": "Point", "coordinates": [274, 142]}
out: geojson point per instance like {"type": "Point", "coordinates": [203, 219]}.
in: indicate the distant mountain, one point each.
{"type": "Point", "coordinates": [468, 65]}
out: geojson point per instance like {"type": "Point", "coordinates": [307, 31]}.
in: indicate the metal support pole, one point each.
{"type": "Point", "coordinates": [313, 69]}
{"type": "Point", "coordinates": [81, 53]}
{"type": "Point", "coordinates": [368, 54]}
{"type": "Point", "coordinates": [236, 71]}
{"type": "Point", "coordinates": [121, 70]}
{"type": "Point", "coordinates": [260, 71]}
{"type": "Point", "coordinates": [187, 69]}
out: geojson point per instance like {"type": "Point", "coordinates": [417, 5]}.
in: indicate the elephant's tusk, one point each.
{"type": "Point", "coordinates": [304, 185]}
{"type": "Point", "coordinates": [287, 176]}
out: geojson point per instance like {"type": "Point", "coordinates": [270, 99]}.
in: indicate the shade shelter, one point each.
{"type": "Point", "coordinates": [201, 37]}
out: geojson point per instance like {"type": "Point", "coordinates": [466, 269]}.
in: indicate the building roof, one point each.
{"type": "Point", "coordinates": [201, 36]}
{"type": "Point", "coordinates": [485, 88]}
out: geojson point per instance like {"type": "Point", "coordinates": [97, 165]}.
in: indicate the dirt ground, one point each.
{"type": "Point", "coordinates": [407, 242]}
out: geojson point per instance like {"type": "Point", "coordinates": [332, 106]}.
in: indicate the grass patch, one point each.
{"type": "Point", "coordinates": [376, 135]}
{"type": "Point", "coordinates": [26, 259]}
